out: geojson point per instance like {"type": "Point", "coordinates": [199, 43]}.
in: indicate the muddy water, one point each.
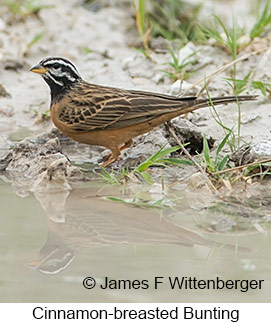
{"type": "Point", "coordinates": [51, 242]}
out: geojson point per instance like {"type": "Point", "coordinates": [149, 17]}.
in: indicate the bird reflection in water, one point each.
{"type": "Point", "coordinates": [80, 219]}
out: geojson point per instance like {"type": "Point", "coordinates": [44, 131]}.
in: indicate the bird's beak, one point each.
{"type": "Point", "coordinates": [34, 264]}
{"type": "Point", "coordinates": [38, 69]}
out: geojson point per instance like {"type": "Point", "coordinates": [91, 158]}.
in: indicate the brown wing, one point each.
{"type": "Point", "coordinates": [90, 107]}
{"type": "Point", "coordinates": [110, 108]}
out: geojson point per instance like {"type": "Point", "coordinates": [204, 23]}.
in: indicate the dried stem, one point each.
{"type": "Point", "coordinates": [241, 167]}
{"type": "Point", "coordinates": [174, 136]}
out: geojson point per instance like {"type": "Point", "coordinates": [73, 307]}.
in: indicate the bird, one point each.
{"type": "Point", "coordinates": [108, 116]}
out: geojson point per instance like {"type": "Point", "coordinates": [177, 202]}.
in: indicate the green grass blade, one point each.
{"type": "Point", "coordinates": [173, 56]}
{"type": "Point", "coordinates": [222, 143]}
{"type": "Point", "coordinates": [158, 202]}
{"type": "Point", "coordinates": [259, 86]}
{"type": "Point", "coordinates": [223, 27]}
{"type": "Point", "coordinates": [263, 21]}
{"type": "Point", "coordinates": [223, 163]}
{"type": "Point", "coordinates": [142, 10]}
{"type": "Point", "coordinates": [108, 177]}
{"type": "Point", "coordinates": [155, 158]}
{"type": "Point", "coordinates": [206, 152]}
{"type": "Point", "coordinates": [178, 161]}
{"type": "Point", "coordinates": [115, 199]}
{"type": "Point", "coordinates": [147, 177]}
{"type": "Point", "coordinates": [35, 39]}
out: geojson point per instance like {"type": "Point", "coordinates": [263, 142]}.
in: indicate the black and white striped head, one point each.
{"type": "Point", "coordinates": [59, 73]}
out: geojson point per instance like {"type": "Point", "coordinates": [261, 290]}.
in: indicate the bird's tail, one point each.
{"type": "Point", "coordinates": [200, 103]}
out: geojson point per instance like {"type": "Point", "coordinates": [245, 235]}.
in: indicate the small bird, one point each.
{"type": "Point", "coordinates": [107, 116]}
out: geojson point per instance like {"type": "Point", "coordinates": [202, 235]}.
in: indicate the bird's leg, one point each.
{"type": "Point", "coordinates": [107, 157]}
{"type": "Point", "coordinates": [113, 156]}
{"type": "Point", "coordinates": [115, 153]}
{"type": "Point", "coordinates": [127, 144]}
{"type": "Point", "coordinates": [108, 162]}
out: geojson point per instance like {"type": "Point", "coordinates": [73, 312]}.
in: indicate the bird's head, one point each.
{"type": "Point", "coordinates": [59, 73]}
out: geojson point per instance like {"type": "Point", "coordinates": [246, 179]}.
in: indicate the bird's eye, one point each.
{"type": "Point", "coordinates": [56, 66]}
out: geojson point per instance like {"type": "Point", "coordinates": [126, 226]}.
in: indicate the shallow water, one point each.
{"type": "Point", "coordinates": [50, 243]}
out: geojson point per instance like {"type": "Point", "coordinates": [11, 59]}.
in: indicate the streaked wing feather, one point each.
{"type": "Point", "coordinates": [111, 108]}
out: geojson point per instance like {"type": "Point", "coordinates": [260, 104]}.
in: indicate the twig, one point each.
{"type": "Point", "coordinates": [174, 136]}
{"type": "Point", "coordinates": [241, 166]}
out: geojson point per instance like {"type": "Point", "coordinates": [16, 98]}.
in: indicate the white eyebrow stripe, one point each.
{"type": "Point", "coordinates": [60, 61]}
{"type": "Point", "coordinates": [61, 74]}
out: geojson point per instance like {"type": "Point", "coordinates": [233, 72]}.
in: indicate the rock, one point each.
{"type": "Point", "coordinates": [27, 155]}
{"type": "Point", "coordinates": [188, 133]}
{"type": "Point", "coordinates": [54, 133]}
{"type": "Point", "coordinates": [249, 154]}
{"type": "Point", "coordinates": [242, 156]}
{"type": "Point", "coordinates": [262, 149]}
{"type": "Point", "coordinates": [41, 167]}
{"type": "Point", "coordinates": [144, 146]}
{"type": "Point", "coordinates": [76, 151]}
{"type": "Point", "coordinates": [52, 146]}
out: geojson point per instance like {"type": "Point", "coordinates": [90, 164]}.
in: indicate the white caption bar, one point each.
{"type": "Point", "coordinates": [135, 312]}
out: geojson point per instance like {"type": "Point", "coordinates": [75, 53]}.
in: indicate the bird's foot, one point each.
{"type": "Point", "coordinates": [115, 154]}
{"type": "Point", "coordinates": [108, 161]}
